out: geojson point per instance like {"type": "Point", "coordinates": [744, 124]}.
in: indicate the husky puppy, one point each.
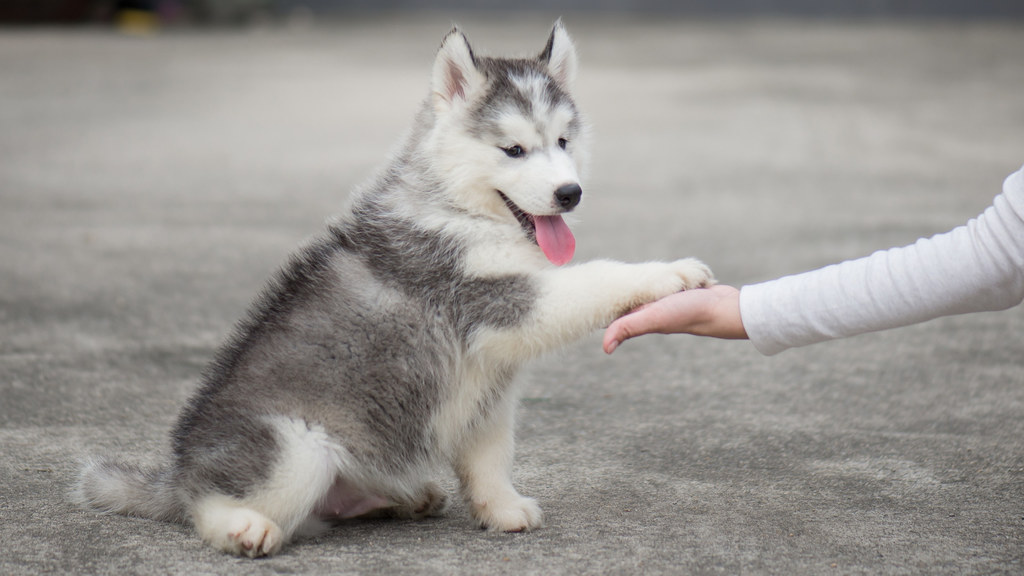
{"type": "Point", "coordinates": [385, 349]}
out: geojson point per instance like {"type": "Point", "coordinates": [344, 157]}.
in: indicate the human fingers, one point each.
{"type": "Point", "coordinates": [646, 319]}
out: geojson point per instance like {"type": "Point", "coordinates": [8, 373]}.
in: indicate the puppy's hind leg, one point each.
{"type": "Point", "coordinates": [232, 526]}
{"type": "Point", "coordinates": [430, 500]}
{"type": "Point", "coordinates": [259, 522]}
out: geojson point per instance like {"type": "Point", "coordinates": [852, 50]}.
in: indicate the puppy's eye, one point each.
{"type": "Point", "coordinates": [562, 143]}
{"type": "Point", "coordinates": [514, 151]}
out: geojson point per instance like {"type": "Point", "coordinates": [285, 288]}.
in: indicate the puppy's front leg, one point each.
{"type": "Point", "coordinates": [484, 468]}
{"type": "Point", "coordinates": [577, 300]}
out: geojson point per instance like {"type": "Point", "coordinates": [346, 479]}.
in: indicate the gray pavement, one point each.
{"type": "Point", "coordinates": [149, 185]}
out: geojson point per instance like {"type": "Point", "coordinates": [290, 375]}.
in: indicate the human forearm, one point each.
{"type": "Point", "coordinates": [976, 267]}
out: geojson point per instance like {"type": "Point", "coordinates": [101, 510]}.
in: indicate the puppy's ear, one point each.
{"type": "Point", "coordinates": [455, 74]}
{"type": "Point", "coordinates": [560, 56]}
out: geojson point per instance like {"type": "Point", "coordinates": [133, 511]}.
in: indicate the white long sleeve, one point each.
{"type": "Point", "coordinates": [973, 268]}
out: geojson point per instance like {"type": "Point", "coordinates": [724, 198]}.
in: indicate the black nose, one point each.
{"type": "Point", "coordinates": [568, 196]}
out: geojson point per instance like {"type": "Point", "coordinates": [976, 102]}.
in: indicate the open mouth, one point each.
{"type": "Point", "coordinates": [525, 220]}
{"type": "Point", "coordinates": [550, 233]}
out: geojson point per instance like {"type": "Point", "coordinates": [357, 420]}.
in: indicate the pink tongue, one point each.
{"type": "Point", "coordinates": [555, 239]}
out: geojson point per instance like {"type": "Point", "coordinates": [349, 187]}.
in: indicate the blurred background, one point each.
{"type": "Point", "coordinates": [159, 159]}
{"type": "Point", "coordinates": [142, 14]}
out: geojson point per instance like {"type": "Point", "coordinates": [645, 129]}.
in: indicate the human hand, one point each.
{"type": "Point", "coordinates": [713, 311]}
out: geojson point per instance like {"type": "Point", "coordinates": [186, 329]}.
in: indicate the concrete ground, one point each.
{"type": "Point", "coordinates": [149, 185]}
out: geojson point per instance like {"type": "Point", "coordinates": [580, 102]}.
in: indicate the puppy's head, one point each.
{"type": "Point", "coordinates": [511, 135]}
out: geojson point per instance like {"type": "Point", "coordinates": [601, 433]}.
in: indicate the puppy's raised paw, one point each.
{"type": "Point", "coordinates": [656, 280]}
{"type": "Point", "coordinates": [693, 273]}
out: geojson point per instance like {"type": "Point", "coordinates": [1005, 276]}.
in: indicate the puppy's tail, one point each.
{"type": "Point", "coordinates": [114, 487]}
